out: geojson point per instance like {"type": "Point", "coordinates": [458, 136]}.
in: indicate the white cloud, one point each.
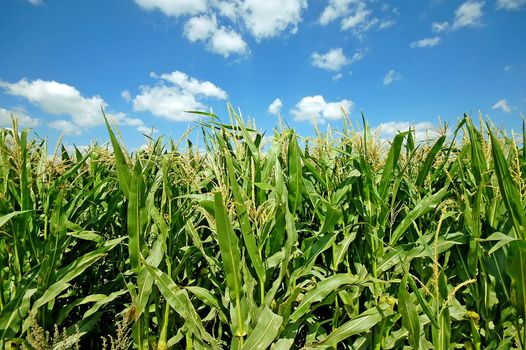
{"type": "Point", "coordinates": [357, 16]}
{"type": "Point", "coordinates": [510, 5]}
{"type": "Point", "coordinates": [219, 40]}
{"type": "Point", "coordinates": [337, 77]}
{"type": "Point", "coordinates": [65, 127]}
{"type": "Point", "coordinates": [508, 68]}
{"type": "Point", "coordinates": [391, 77]}
{"type": "Point", "coordinates": [200, 28]}
{"type": "Point", "coordinates": [262, 18]}
{"type": "Point", "coordinates": [502, 104]}
{"type": "Point", "coordinates": [469, 14]}
{"type": "Point", "coordinates": [147, 130]}
{"type": "Point", "coordinates": [229, 9]}
{"type": "Point", "coordinates": [315, 108]}
{"type": "Point", "coordinates": [174, 8]}
{"type": "Point", "coordinates": [192, 85]}
{"type": "Point", "coordinates": [126, 96]}
{"type": "Point", "coordinates": [354, 15]}
{"type": "Point", "coordinates": [182, 93]}
{"type": "Point", "coordinates": [275, 107]}
{"type": "Point", "coordinates": [333, 60]}
{"type": "Point", "coordinates": [440, 26]}
{"type": "Point", "coordinates": [422, 130]}
{"type": "Point", "coordinates": [35, 2]}
{"type": "Point", "coordinates": [123, 119]}
{"type": "Point", "coordinates": [65, 100]}
{"type": "Point", "coordinates": [24, 120]}
{"type": "Point", "coordinates": [59, 99]}
{"type": "Point", "coordinates": [388, 23]}
{"type": "Point", "coordinates": [427, 42]}
{"type": "Point", "coordinates": [226, 42]}
{"type": "Point", "coordinates": [269, 18]}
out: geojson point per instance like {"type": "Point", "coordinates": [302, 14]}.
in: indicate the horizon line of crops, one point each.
{"type": "Point", "coordinates": [337, 241]}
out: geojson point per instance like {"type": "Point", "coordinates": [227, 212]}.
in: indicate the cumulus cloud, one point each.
{"type": "Point", "coordinates": [422, 130]}
{"type": "Point", "coordinates": [316, 109]}
{"type": "Point", "coordinates": [269, 18]}
{"type": "Point", "coordinates": [192, 85]}
{"type": "Point", "coordinates": [65, 127]}
{"type": "Point", "coordinates": [468, 14]}
{"type": "Point", "coordinates": [62, 99]}
{"type": "Point", "coordinates": [220, 40]}
{"type": "Point", "coordinates": [59, 99]}
{"type": "Point", "coordinates": [24, 120]}
{"type": "Point", "coordinates": [510, 5]}
{"type": "Point", "coordinates": [275, 107]}
{"type": "Point", "coordinates": [337, 77]}
{"type": "Point", "coordinates": [126, 96]}
{"type": "Point", "coordinates": [174, 8]}
{"type": "Point", "coordinates": [333, 60]}
{"type": "Point", "coordinates": [440, 26]}
{"type": "Point", "coordinates": [174, 94]}
{"type": "Point", "coordinates": [200, 28]}
{"type": "Point", "coordinates": [391, 77]}
{"type": "Point", "coordinates": [427, 42]}
{"type": "Point", "coordinates": [502, 104]}
{"type": "Point", "coordinates": [354, 15]}
{"type": "Point", "coordinates": [147, 131]}
{"type": "Point", "coordinates": [35, 2]}
{"type": "Point", "coordinates": [226, 42]}
{"type": "Point", "coordinates": [261, 18]}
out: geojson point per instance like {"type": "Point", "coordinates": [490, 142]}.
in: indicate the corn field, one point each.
{"type": "Point", "coordinates": [338, 241]}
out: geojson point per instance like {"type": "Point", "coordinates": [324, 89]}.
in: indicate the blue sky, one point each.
{"type": "Point", "coordinates": [147, 61]}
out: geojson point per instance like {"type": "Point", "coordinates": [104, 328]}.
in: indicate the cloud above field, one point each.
{"type": "Point", "coordinates": [61, 99]}
{"type": "Point", "coordinates": [316, 109]}
{"type": "Point", "coordinates": [391, 77]}
{"type": "Point", "coordinates": [427, 42]}
{"type": "Point", "coordinates": [173, 94]}
{"type": "Point", "coordinates": [219, 24]}
{"type": "Point", "coordinates": [511, 5]}
{"type": "Point", "coordinates": [333, 60]}
{"type": "Point", "coordinates": [354, 15]}
{"type": "Point", "coordinates": [275, 106]}
{"type": "Point", "coordinates": [24, 120]}
{"type": "Point", "coordinates": [174, 8]}
{"type": "Point", "coordinates": [422, 130]}
{"type": "Point", "coordinates": [468, 14]}
{"type": "Point", "coordinates": [218, 39]}
{"type": "Point", "coordinates": [269, 18]}
{"type": "Point", "coordinates": [503, 105]}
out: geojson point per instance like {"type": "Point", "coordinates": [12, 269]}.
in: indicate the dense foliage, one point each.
{"type": "Point", "coordinates": [339, 241]}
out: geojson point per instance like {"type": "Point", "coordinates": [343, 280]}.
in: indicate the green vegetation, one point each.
{"type": "Point", "coordinates": [338, 241]}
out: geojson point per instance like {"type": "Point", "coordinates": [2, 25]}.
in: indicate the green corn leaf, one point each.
{"type": "Point", "coordinates": [508, 190]}
{"type": "Point", "coordinates": [134, 217]}
{"type": "Point", "coordinates": [266, 330]}
{"type": "Point", "coordinates": [123, 171]}
{"type": "Point", "coordinates": [360, 324]}
{"type": "Point", "coordinates": [390, 165]}
{"type": "Point", "coordinates": [178, 299]}
{"type": "Point", "coordinates": [424, 206]}
{"type": "Point", "coordinates": [322, 289]}
{"type": "Point", "coordinates": [430, 159]}
{"type": "Point", "coordinates": [229, 248]}
{"type": "Point", "coordinates": [295, 180]}
{"type": "Point", "coordinates": [516, 264]}
{"type": "Point", "coordinates": [410, 319]}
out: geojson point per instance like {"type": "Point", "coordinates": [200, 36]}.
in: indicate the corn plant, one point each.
{"type": "Point", "coordinates": [337, 241]}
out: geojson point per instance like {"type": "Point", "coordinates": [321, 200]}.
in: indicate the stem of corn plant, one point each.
{"type": "Point", "coordinates": [166, 320]}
